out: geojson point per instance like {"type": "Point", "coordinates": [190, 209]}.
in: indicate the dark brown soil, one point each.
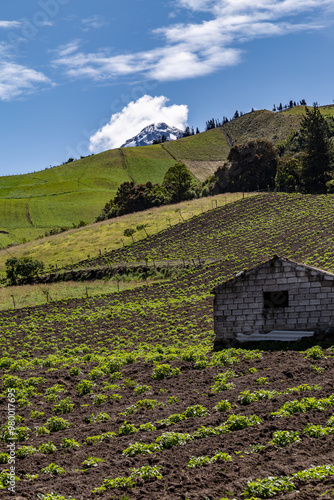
{"type": "Point", "coordinates": [282, 369]}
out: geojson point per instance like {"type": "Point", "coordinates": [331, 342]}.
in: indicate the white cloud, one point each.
{"type": "Point", "coordinates": [94, 22]}
{"type": "Point", "coordinates": [10, 24]}
{"type": "Point", "coordinates": [202, 47]}
{"type": "Point", "coordinates": [17, 80]}
{"type": "Point", "coordinates": [133, 118]}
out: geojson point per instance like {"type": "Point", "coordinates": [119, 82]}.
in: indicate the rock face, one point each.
{"type": "Point", "coordinates": [152, 133]}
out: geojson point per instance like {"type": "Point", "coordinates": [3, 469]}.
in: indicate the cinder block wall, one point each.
{"type": "Point", "coordinates": [239, 303]}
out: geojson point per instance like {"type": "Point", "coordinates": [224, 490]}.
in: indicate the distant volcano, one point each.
{"type": "Point", "coordinates": [152, 133]}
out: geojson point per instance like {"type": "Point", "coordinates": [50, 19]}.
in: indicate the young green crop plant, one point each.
{"type": "Point", "coordinates": [100, 417]}
{"type": "Point", "coordinates": [139, 448]}
{"type": "Point", "coordinates": [53, 496]}
{"type": "Point", "coordinates": [68, 444]}
{"type": "Point", "coordinates": [223, 405]}
{"type": "Point", "coordinates": [145, 473]}
{"type": "Point", "coordinates": [148, 427]}
{"type": "Point", "coordinates": [4, 458]}
{"type": "Point", "coordinates": [47, 448]}
{"type": "Point", "coordinates": [85, 387]}
{"type": "Point", "coordinates": [55, 424]}
{"type": "Point", "coordinates": [237, 422]}
{"type": "Point", "coordinates": [268, 487]}
{"type": "Point", "coordinates": [64, 406]}
{"type": "Point", "coordinates": [162, 371]}
{"type": "Point", "coordinates": [53, 470]}
{"type": "Point", "coordinates": [36, 414]}
{"type": "Point", "coordinates": [6, 479]}
{"type": "Point", "coordinates": [99, 399]}
{"type": "Point", "coordinates": [262, 380]}
{"type": "Point", "coordinates": [205, 460]}
{"type": "Point", "coordinates": [285, 438]}
{"type": "Point", "coordinates": [141, 389]}
{"type": "Point", "coordinates": [127, 429]}
{"type": "Point", "coordinates": [25, 451]}
{"type": "Point", "coordinates": [315, 352]}
{"type": "Point", "coordinates": [170, 439]}
{"type": "Point", "coordinates": [92, 462]}
{"type": "Point", "coordinates": [41, 431]}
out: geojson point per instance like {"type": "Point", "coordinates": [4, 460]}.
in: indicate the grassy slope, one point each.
{"type": "Point", "coordinates": [265, 124]}
{"type": "Point", "coordinates": [75, 245]}
{"type": "Point", "coordinates": [32, 204]}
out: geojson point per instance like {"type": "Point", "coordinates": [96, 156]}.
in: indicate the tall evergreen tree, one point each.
{"type": "Point", "coordinates": [317, 159]}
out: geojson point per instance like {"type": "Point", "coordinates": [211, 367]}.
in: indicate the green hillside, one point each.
{"type": "Point", "coordinates": [264, 124]}
{"type": "Point", "coordinates": [34, 203]}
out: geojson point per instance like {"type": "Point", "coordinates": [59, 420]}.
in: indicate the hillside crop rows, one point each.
{"type": "Point", "coordinates": [87, 417]}
{"type": "Point", "coordinates": [244, 233]}
{"type": "Point", "coordinates": [121, 396]}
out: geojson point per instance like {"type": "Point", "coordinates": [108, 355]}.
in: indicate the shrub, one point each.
{"type": "Point", "coordinates": [23, 270]}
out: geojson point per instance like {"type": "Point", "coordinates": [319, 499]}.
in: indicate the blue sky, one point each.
{"type": "Point", "coordinates": [78, 77]}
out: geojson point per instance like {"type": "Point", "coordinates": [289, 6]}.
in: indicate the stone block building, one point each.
{"type": "Point", "coordinates": [279, 296]}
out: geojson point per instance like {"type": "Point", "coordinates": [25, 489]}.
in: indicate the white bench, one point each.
{"type": "Point", "coordinates": [280, 335]}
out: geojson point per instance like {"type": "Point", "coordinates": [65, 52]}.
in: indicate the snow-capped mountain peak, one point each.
{"type": "Point", "coordinates": [153, 132]}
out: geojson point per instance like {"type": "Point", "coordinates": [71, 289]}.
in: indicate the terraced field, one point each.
{"type": "Point", "coordinates": [122, 397]}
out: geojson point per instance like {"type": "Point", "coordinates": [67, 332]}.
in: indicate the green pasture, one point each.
{"type": "Point", "coordinates": [32, 204]}
{"type": "Point", "coordinates": [17, 297]}
{"type": "Point", "coordinates": [208, 146]}
{"type": "Point", "coordinates": [89, 241]}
